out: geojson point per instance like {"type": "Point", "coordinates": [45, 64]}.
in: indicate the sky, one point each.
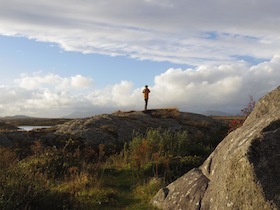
{"type": "Point", "coordinates": [92, 57]}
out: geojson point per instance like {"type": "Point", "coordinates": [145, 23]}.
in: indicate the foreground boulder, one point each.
{"type": "Point", "coordinates": [242, 173]}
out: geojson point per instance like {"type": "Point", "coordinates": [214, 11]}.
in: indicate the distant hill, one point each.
{"type": "Point", "coordinates": [216, 113]}
{"type": "Point", "coordinates": [79, 115]}
{"type": "Point", "coordinates": [17, 117]}
{"type": "Point", "coordinates": [22, 120]}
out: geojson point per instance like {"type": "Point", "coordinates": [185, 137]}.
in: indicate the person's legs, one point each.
{"type": "Point", "coordinates": [146, 104]}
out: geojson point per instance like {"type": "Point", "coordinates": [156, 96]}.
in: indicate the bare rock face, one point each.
{"type": "Point", "coordinates": [243, 172]}
{"type": "Point", "coordinates": [120, 126]}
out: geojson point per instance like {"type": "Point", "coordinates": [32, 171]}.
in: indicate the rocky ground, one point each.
{"type": "Point", "coordinates": [119, 127]}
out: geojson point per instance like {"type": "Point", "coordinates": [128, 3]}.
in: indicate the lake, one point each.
{"type": "Point", "coordinates": [31, 127]}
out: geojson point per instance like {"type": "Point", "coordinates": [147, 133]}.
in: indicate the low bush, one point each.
{"type": "Point", "coordinates": [163, 154]}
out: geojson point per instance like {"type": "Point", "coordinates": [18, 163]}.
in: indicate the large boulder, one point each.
{"type": "Point", "coordinates": [243, 172]}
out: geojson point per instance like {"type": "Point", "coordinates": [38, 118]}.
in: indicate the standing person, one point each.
{"type": "Point", "coordinates": [146, 92]}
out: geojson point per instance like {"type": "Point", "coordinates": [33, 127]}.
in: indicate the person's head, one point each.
{"type": "Point", "coordinates": [146, 86]}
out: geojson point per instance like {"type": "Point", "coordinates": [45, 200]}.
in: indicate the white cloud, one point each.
{"type": "Point", "coordinates": [36, 81]}
{"type": "Point", "coordinates": [223, 87]}
{"type": "Point", "coordinates": [119, 95]}
{"type": "Point", "coordinates": [189, 32]}
{"type": "Point", "coordinates": [79, 81]}
{"type": "Point", "coordinates": [220, 87]}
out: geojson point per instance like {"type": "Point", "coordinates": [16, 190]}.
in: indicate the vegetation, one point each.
{"type": "Point", "coordinates": [71, 175]}
{"type": "Point", "coordinates": [7, 127]}
{"type": "Point", "coordinates": [236, 123]}
{"type": "Point", "coordinates": [249, 108]}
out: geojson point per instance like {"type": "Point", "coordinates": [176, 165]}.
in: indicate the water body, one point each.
{"type": "Point", "coordinates": [29, 128]}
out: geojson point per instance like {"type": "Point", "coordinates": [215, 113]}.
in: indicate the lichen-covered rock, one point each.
{"type": "Point", "coordinates": [176, 195]}
{"type": "Point", "coordinates": [120, 126]}
{"type": "Point", "coordinates": [242, 173]}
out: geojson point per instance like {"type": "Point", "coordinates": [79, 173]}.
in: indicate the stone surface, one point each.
{"type": "Point", "coordinates": [243, 171]}
{"type": "Point", "coordinates": [176, 195]}
{"type": "Point", "coordinates": [119, 127]}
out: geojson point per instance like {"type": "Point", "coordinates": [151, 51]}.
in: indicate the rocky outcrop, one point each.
{"type": "Point", "coordinates": [120, 126]}
{"type": "Point", "coordinates": [243, 171]}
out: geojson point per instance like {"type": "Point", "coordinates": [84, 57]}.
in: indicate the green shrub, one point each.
{"type": "Point", "coordinates": [163, 153]}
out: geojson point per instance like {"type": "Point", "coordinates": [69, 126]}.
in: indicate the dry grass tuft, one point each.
{"type": "Point", "coordinates": [164, 113]}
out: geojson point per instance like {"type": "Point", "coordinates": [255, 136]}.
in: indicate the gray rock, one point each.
{"type": "Point", "coordinates": [243, 171]}
{"type": "Point", "coordinates": [175, 195]}
{"type": "Point", "coordinates": [119, 127]}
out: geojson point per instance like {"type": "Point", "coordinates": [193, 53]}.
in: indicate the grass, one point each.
{"type": "Point", "coordinates": [70, 175]}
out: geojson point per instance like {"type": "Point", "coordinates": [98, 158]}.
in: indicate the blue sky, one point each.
{"type": "Point", "coordinates": [58, 58]}
{"type": "Point", "coordinates": [21, 55]}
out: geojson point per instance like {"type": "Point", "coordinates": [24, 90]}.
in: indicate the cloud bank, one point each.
{"type": "Point", "coordinates": [221, 87]}
{"type": "Point", "coordinates": [187, 32]}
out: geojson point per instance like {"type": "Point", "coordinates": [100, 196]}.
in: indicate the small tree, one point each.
{"type": "Point", "coordinates": [247, 110]}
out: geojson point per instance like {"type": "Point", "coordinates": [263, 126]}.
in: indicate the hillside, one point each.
{"type": "Point", "coordinates": [32, 121]}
